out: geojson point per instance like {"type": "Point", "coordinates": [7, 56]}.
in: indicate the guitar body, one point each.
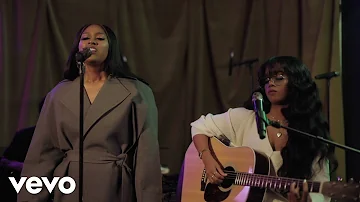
{"type": "Point", "coordinates": [249, 174]}
{"type": "Point", "coordinates": [242, 159]}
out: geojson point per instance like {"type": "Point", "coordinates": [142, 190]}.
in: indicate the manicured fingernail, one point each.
{"type": "Point", "coordinates": [305, 181]}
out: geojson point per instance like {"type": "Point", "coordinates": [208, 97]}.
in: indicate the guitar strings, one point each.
{"type": "Point", "coordinates": [232, 175]}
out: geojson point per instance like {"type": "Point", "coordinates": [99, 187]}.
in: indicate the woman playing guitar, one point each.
{"type": "Point", "coordinates": [290, 97]}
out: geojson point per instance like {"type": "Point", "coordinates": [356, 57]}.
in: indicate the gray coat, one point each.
{"type": "Point", "coordinates": [121, 150]}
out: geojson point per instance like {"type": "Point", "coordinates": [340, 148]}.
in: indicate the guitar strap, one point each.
{"type": "Point", "coordinates": [224, 140]}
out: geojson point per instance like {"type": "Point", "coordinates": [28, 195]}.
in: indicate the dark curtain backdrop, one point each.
{"type": "Point", "coordinates": [351, 63]}
{"type": "Point", "coordinates": [181, 47]}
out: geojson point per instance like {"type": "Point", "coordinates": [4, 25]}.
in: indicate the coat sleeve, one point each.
{"type": "Point", "coordinates": [43, 154]}
{"type": "Point", "coordinates": [148, 177]}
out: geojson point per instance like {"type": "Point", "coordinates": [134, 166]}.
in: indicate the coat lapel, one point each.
{"type": "Point", "coordinates": [112, 93]}
{"type": "Point", "coordinates": [71, 99]}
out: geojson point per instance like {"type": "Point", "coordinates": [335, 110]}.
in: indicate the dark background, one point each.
{"type": "Point", "coordinates": [351, 71]}
{"type": "Point", "coordinates": [182, 47]}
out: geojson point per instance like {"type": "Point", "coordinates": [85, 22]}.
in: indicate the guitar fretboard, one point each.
{"type": "Point", "coordinates": [264, 181]}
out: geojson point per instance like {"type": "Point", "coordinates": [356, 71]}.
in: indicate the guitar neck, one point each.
{"type": "Point", "coordinates": [264, 181]}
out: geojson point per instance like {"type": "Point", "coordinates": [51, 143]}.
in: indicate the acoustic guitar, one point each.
{"type": "Point", "coordinates": [249, 175]}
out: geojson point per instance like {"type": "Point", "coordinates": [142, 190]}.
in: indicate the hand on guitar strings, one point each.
{"type": "Point", "coordinates": [214, 172]}
{"type": "Point", "coordinates": [294, 194]}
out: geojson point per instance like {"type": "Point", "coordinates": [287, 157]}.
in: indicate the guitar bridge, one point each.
{"type": "Point", "coordinates": [203, 181]}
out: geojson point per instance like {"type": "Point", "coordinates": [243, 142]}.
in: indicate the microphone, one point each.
{"type": "Point", "coordinates": [261, 119]}
{"type": "Point", "coordinates": [81, 56]}
{"type": "Point", "coordinates": [328, 75]}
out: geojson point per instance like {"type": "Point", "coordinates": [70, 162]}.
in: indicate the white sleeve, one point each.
{"type": "Point", "coordinates": [221, 124]}
{"type": "Point", "coordinates": [320, 175]}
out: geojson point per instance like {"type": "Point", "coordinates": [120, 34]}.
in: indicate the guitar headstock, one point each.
{"type": "Point", "coordinates": [342, 191]}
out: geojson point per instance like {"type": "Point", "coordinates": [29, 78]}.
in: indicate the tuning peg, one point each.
{"type": "Point", "coordinates": [351, 180]}
{"type": "Point", "coordinates": [339, 179]}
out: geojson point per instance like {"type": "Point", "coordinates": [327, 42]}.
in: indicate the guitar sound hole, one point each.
{"type": "Point", "coordinates": [229, 179]}
{"type": "Point", "coordinates": [212, 191]}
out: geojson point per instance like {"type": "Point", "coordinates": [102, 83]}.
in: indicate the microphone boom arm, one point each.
{"type": "Point", "coordinates": [278, 125]}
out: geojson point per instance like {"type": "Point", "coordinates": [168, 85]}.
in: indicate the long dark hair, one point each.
{"type": "Point", "coordinates": [304, 112]}
{"type": "Point", "coordinates": [114, 66]}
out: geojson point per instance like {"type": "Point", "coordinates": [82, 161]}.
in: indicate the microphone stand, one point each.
{"type": "Point", "coordinates": [328, 99]}
{"type": "Point", "coordinates": [81, 139]}
{"type": "Point", "coordinates": [328, 77]}
{"type": "Point", "coordinates": [248, 63]}
{"type": "Point", "coordinates": [80, 59]}
{"type": "Point", "coordinates": [278, 125]}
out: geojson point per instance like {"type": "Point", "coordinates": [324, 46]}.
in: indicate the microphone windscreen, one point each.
{"type": "Point", "coordinates": [257, 96]}
{"type": "Point", "coordinates": [81, 56]}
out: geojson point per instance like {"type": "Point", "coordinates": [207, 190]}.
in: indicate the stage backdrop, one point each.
{"type": "Point", "coordinates": [181, 47]}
